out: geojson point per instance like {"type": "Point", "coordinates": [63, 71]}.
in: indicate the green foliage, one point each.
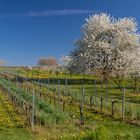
{"type": "Point", "coordinates": [16, 134]}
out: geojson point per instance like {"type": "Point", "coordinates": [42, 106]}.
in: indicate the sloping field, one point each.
{"type": "Point", "coordinates": [12, 126]}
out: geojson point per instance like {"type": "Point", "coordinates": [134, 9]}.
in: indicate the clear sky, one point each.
{"type": "Point", "coordinates": [30, 29]}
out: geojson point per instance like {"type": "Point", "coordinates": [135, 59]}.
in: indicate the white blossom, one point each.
{"type": "Point", "coordinates": [107, 44]}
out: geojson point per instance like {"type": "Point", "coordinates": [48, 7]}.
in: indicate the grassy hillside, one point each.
{"type": "Point", "coordinates": [57, 108]}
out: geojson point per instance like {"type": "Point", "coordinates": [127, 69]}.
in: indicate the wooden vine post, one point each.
{"type": "Point", "coordinates": [101, 98]}
{"type": "Point", "coordinates": [82, 103]}
{"type": "Point", "coordinates": [113, 103]}
{"type": "Point", "coordinates": [63, 106]}
{"type": "Point", "coordinates": [33, 103]}
{"type": "Point", "coordinates": [9, 89]}
{"type": "Point", "coordinates": [33, 108]}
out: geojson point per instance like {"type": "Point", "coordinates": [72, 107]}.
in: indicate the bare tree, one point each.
{"type": "Point", "coordinates": [2, 63]}
{"type": "Point", "coordinates": [47, 61]}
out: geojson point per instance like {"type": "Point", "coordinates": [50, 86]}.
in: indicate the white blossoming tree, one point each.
{"type": "Point", "coordinates": [66, 62]}
{"type": "Point", "coordinates": [107, 44]}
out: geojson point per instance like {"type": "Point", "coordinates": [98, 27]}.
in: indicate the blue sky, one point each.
{"type": "Point", "coordinates": [30, 29]}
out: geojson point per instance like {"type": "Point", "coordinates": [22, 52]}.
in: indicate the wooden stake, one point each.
{"type": "Point", "coordinates": [33, 108]}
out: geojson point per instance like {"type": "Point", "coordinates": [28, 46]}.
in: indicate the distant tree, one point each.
{"type": "Point", "coordinates": [2, 63]}
{"type": "Point", "coordinates": [48, 61]}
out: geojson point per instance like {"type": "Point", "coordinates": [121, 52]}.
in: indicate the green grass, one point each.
{"type": "Point", "coordinates": [16, 134]}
